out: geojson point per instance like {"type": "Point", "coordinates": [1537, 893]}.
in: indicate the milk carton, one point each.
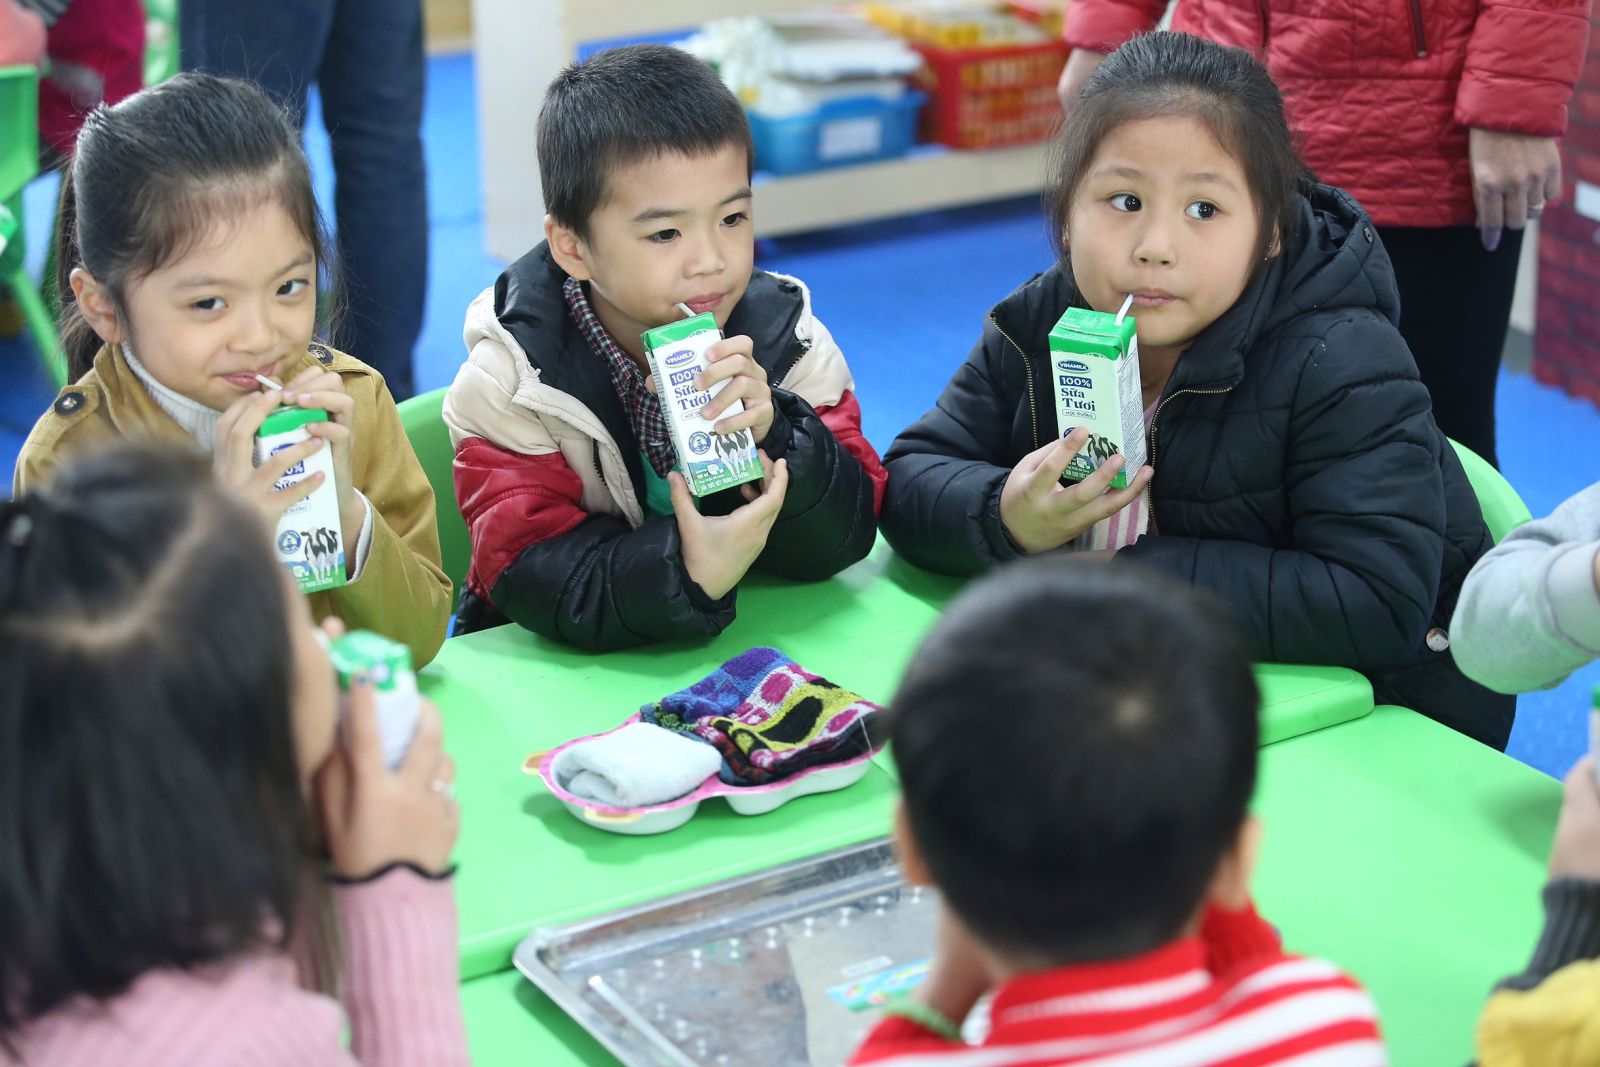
{"type": "Point", "coordinates": [1094, 375]}
{"type": "Point", "coordinates": [394, 685]}
{"type": "Point", "coordinates": [310, 536]}
{"type": "Point", "coordinates": [710, 461]}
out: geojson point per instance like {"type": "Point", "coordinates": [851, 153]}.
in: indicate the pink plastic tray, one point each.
{"type": "Point", "coordinates": [659, 818]}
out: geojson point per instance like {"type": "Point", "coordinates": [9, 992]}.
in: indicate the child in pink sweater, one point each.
{"type": "Point", "coordinates": [171, 764]}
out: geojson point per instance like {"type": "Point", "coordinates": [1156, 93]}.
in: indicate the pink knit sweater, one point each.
{"type": "Point", "coordinates": [400, 988]}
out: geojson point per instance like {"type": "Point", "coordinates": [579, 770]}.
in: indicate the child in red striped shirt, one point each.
{"type": "Point", "coordinates": [1093, 844]}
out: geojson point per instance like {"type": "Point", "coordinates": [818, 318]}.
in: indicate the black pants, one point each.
{"type": "Point", "coordinates": [1455, 307]}
{"type": "Point", "coordinates": [366, 59]}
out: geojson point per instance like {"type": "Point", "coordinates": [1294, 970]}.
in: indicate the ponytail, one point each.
{"type": "Point", "coordinates": [78, 339]}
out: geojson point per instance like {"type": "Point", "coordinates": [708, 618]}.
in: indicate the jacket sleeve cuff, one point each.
{"type": "Point", "coordinates": [358, 560]}
{"type": "Point", "coordinates": [1571, 931]}
{"type": "Point", "coordinates": [698, 599]}
{"type": "Point", "coordinates": [780, 437]}
{"type": "Point", "coordinates": [1574, 599]}
{"type": "Point", "coordinates": [1001, 544]}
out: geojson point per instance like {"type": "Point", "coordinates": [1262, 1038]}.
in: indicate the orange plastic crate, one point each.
{"type": "Point", "coordinates": [990, 97]}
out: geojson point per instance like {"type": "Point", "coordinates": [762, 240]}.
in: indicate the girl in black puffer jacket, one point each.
{"type": "Point", "coordinates": [1295, 469]}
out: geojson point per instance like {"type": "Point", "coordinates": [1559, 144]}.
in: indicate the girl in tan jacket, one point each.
{"type": "Point", "coordinates": [190, 246]}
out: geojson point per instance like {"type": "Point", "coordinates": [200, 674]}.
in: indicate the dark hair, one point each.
{"type": "Point", "coordinates": [150, 805]}
{"type": "Point", "coordinates": [1156, 75]}
{"type": "Point", "coordinates": [622, 106]}
{"type": "Point", "coordinates": [150, 176]}
{"type": "Point", "coordinates": [1077, 749]}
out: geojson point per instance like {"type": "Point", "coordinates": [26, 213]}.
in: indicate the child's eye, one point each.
{"type": "Point", "coordinates": [210, 303]}
{"type": "Point", "coordinates": [1200, 209]}
{"type": "Point", "coordinates": [294, 287]}
{"type": "Point", "coordinates": [662, 237]}
{"type": "Point", "coordinates": [735, 219]}
{"type": "Point", "coordinates": [1126, 202]}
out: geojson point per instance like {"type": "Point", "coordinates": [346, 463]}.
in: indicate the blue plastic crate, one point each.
{"type": "Point", "coordinates": [857, 129]}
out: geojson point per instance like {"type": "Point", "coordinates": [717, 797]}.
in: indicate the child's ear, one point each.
{"type": "Point", "coordinates": [906, 850]}
{"type": "Point", "coordinates": [1230, 886]}
{"type": "Point", "coordinates": [1275, 249]}
{"type": "Point", "coordinates": [98, 309]}
{"type": "Point", "coordinates": [566, 248]}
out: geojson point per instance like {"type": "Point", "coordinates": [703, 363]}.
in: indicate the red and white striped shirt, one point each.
{"type": "Point", "coordinates": [1226, 998]}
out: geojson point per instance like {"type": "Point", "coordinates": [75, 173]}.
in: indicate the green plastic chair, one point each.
{"type": "Point", "coordinates": [423, 419]}
{"type": "Point", "coordinates": [19, 165]}
{"type": "Point", "coordinates": [160, 40]}
{"type": "Point", "coordinates": [1503, 509]}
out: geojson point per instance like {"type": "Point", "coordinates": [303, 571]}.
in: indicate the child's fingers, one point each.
{"type": "Point", "coordinates": [362, 739]}
{"type": "Point", "coordinates": [1095, 485]}
{"type": "Point", "coordinates": [333, 790]}
{"type": "Point", "coordinates": [312, 380]}
{"type": "Point", "coordinates": [311, 374]}
{"type": "Point", "coordinates": [1110, 503]}
{"type": "Point", "coordinates": [757, 403]}
{"type": "Point", "coordinates": [422, 761]}
{"type": "Point", "coordinates": [341, 406]}
{"type": "Point", "coordinates": [1045, 476]}
{"type": "Point", "coordinates": [737, 345]}
{"type": "Point", "coordinates": [238, 425]}
{"type": "Point", "coordinates": [682, 501]}
{"type": "Point", "coordinates": [772, 491]}
{"type": "Point", "coordinates": [279, 464]}
{"type": "Point", "coordinates": [731, 366]}
{"type": "Point", "coordinates": [333, 626]}
{"type": "Point", "coordinates": [751, 490]}
{"type": "Point", "coordinates": [335, 433]}
{"type": "Point", "coordinates": [290, 495]}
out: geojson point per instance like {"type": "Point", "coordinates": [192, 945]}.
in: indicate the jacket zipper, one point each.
{"type": "Point", "coordinates": [1418, 37]}
{"type": "Point", "coordinates": [1033, 411]}
{"type": "Point", "coordinates": [597, 468]}
{"type": "Point", "coordinates": [1151, 435]}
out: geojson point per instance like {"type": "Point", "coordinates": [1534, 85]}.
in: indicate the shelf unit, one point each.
{"type": "Point", "coordinates": [521, 44]}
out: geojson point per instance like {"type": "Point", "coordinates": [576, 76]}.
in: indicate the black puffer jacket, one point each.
{"type": "Point", "coordinates": [1299, 475]}
{"type": "Point", "coordinates": [550, 478]}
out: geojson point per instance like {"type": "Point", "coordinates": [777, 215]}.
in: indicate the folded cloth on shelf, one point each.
{"type": "Point", "coordinates": [769, 717]}
{"type": "Point", "coordinates": [636, 766]}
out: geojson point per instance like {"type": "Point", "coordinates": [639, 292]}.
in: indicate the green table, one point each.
{"type": "Point", "coordinates": [505, 693]}
{"type": "Point", "coordinates": [1408, 854]}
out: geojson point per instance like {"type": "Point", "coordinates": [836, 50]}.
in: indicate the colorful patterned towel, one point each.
{"type": "Point", "coordinates": [769, 717]}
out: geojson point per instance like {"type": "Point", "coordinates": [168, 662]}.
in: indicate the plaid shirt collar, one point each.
{"type": "Point", "coordinates": [645, 415]}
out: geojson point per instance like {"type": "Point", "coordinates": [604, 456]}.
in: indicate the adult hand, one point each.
{"type": "Point", "coordinates": [1041, 514]}
{"type": "Point", "coordinates": [1080, 64]}
{"type": "Point", "coordinates": [375, 817]}
{"type": "Point", "coordinates": [1576, 852]}
{"type": "Point", "coordinates": [733, 360]}
{"type": "Point", "coordinates": [233, 458]}
{"type": "Point", "coordinates": [1513, 177]}
{"type": "Point", "coordinates": [719, 549]}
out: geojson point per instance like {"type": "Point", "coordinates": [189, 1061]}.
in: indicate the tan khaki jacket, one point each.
{"type": "Point", "coordinates": [402, 592]}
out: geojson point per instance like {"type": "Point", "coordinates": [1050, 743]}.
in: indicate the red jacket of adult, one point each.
{"type": "Point", "coordinates": [1381, 92]}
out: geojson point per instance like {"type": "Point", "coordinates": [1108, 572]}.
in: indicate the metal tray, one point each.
{"type": "Point", "coordinates": [784, 966]}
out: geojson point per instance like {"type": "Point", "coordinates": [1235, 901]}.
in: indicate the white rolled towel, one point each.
{"type": "Point", "coordinates": [634, 767]}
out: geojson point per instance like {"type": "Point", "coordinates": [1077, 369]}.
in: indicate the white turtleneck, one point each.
{"type": "Point", "coordinates": [197, 420]}
{"type": "Point", "coordinates": [200, 422]}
